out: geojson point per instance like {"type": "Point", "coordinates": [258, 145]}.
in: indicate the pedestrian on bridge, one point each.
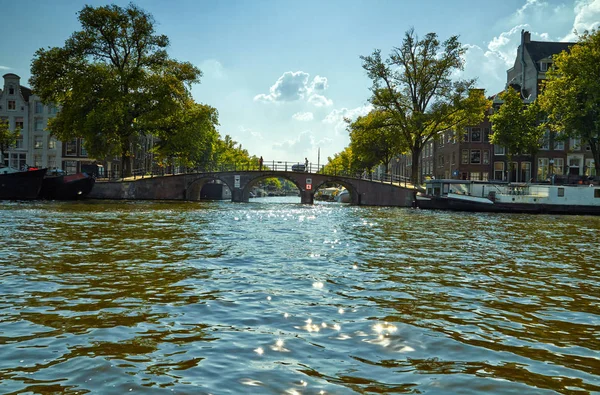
{"type": "Point", "coordinates": [260, 163]}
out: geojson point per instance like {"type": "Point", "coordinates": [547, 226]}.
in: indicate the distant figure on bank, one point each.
{"type": "Point", "coordinates": [306, 165]}
{"type": "Point", "coordinates": [260, 162]}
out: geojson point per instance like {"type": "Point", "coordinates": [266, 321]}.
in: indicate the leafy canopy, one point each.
{"type": "Point", "coordinates": [8, 137]}
{"type": "Point", "coordinates": [571, 95]}
{"type": "Point", "coordinates": [416, 89]}
{"type": "Point", "coordinates": [372, 141]}
{"type": "Point", "coordinates": [515, 125]}
{"type": "Point", "coordinates": [113, 80]}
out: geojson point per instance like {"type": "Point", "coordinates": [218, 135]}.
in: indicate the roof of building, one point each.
{"type": "Point", "coordinates": [539, 50]}
{"type": "Point", "coordinates": [26, 92]}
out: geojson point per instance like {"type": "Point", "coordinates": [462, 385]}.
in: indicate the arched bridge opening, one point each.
{"type": "Point", "coordinates": [208, 188]}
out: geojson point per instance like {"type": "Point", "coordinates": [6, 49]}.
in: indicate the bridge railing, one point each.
{"type": "Point", "coordinates": [273, 165]}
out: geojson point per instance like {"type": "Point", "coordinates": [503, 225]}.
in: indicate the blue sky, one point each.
{"type": "Point", "coordinates": [283, 74]}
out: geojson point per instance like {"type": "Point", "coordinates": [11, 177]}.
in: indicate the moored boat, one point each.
{"type": "Point", "coordinates": [20, 185]}
{"type": "Point", "coordinates": [464, 195]}
{"type": "Point", "coordinates": [58, 186]}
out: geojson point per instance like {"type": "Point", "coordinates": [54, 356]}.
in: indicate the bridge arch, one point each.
{"type": "Point", "coordinates": [193, 189]}
{"type": "Point", "coordinates": [354, 195]}
{"type": "Point", "coordinates": [254, 180]}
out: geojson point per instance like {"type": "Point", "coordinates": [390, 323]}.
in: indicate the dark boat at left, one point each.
{"type": "Point", "coordinates": [58, 186]}
{"type": "Point", "coordinates": [20, 185]}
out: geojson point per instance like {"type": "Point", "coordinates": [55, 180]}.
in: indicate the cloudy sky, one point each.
{"type": "Point", "coordinates": [283, 74]}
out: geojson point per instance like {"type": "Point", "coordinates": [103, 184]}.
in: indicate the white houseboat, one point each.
{"type": "Point", "coordinates": [464, 195]}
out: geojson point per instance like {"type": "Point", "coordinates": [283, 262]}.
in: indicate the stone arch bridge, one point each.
{"type": "Point", "coordinates": [188, 187]}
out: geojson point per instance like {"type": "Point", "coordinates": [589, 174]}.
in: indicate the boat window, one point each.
{"type": "Point", "coordinates": [436, 191]}
{"type": "Point", "coordinates": [445, 191]}
{"type": "Point", "coordinates": [561, 192]}
{"type": "Point", "coordinates": [597, 192]}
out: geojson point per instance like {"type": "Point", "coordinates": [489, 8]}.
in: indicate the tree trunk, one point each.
{"type": "Point", "coordinates": [126, 164]}
{"type": "Point", "coordinates": [414, 171]}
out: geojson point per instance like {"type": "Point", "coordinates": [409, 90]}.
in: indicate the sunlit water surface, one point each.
{"type": "Point", "coordinates": [217, 297]}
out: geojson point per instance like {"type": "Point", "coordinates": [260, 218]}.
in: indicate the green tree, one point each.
{"type": "Point", "coordinates": [8, 138]}
{"type": "Point", "coordinates": [416, 89]}
{"type": "Point", "coordinates": [571, 95]}
{"type": "Point", "coordinates": [342, 163]}
{"type": "Point", "coordinates": [113, 80]}
{"type": "Point", "coordinates": [516, 126]}
{"type": "Point", "coordinates": [188, 136]}
{"type": "Point", "coordinates": [372, 141]}
{"type": "Point", "coordinates": [231, 153]}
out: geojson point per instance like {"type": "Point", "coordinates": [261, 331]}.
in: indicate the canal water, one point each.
{"type": "Point", "coordinates": [265, 298]}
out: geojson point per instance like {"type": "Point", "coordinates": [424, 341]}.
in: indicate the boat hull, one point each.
{"type": "Point", "coordinates": [441, 203]}
{"type": "Point", "coordinates": [67, 187]}
{"type": "Point", "coordinates": [22, 185]}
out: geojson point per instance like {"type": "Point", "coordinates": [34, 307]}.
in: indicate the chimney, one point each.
{"type": "Point", "coordinates": [525, 37]}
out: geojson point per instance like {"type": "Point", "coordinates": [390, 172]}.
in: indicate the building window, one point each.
{"type": "Point", "coordinates": [441, 140]}
{"type": "Point", "coordinates": [71, 148]}
{"type": "Point", "coordinates": [575, 144]}
{"type": "Point", "coordinates": [545, 65]}
{"type": "Point", "coordinates": [486, 157]}
{"type": "Point", "coordinates": [37, 160]}
{"type": "Point", "coordinates": [498, 170]}
{"type": "Point", "coordinates": [475, 156]}
{"type": "Point", "coordinates": [453, 158]}
{"type": "Point", "coordinates": [51, 143]}
{"type": "Point", "coordinates": [525, 171]}
{"type": "Point", "coordinates": [475, 176]}
{"type": "Point", "coordinates": [20, 143]}
{"type": "Point", "coordinates": [498, 150]}
{"type": "Point", "coordinates": [18, 161]}
{"type": "Point", "coordinates": [11, 90]}
{"type": "Point", "coordinates": [485, 176]}
{"type": "Point", "coordinates": [543, 167]}
{"type": "Point", "coordinates": [559, 145]}
{"type": "Point", "coordinates": [441, 161]}
{"type": "Point", "coordinates": [70, 166]}
{"type": "Point", "coordinates": [19, 123]}
{"type": "Point", "coordinates": [83, 150]}
{"type": "Point", "coordinates": [559, 166]}
{"type": "Point", "coordinates": [590, 170]}
{"type": "Point", "coordinates": [476, 135]}
{"type": "Point", "coordinates": [464, 159]}
{"type": "Point", "coordinates": [51, 161]}
{"type": "Point", "coordinates": [52, 109]}
{"type": "Point", "coordinates": [12, 105]}
{"type": "Point", "coordinates": [38, 124]}
{"type": "Point", "coordinates": [38, 142]}
{"type": "Point", "coordinates": [465, 137]}
{"type": "Point", "coordinates": [545, 143]}
{"type": "Point", "coordinates": [39, 107]}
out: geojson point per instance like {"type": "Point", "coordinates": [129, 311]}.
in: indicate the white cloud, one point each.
{"type": "Point", "coordinates": [587, 17]}
{"type": "Point", "coordinates": [320, 101]}
{"type": "Point", "coordinates": [212, 69]}
{"type": "Point", "coordinates": [294, 85]}
{"type": "Point", "coordinates": [319, 83]}
{"type": "Point", "coordinates": [336, 117]}
{"type": "Point", "coordinates": [303, 142]}
{"type": "Point", "coordinates": [303, 116]}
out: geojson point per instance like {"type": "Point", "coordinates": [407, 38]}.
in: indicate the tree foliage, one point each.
{"type": "Point", "coordinates": [230, 152]}
{"type": "Point", "coordinates": [571, 95]}
{"type": "Point", "coordinates": [8, 137]}
{"type": "Point", "coordinates": [189, 136]}
{"type": "Point", "coordinates": [342, 163]}
{"type": "Point", "coordinates": [416, 89]}
{"type": "Point", "coordinates": [113, 81]}
{"type": "Point", "coordinates": [516, 125]}
{"type": "Point", "coordinates": [372, 141]}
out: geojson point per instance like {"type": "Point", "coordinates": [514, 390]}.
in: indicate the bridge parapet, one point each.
{"type": "Point", "coordinates": [188, 186]}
